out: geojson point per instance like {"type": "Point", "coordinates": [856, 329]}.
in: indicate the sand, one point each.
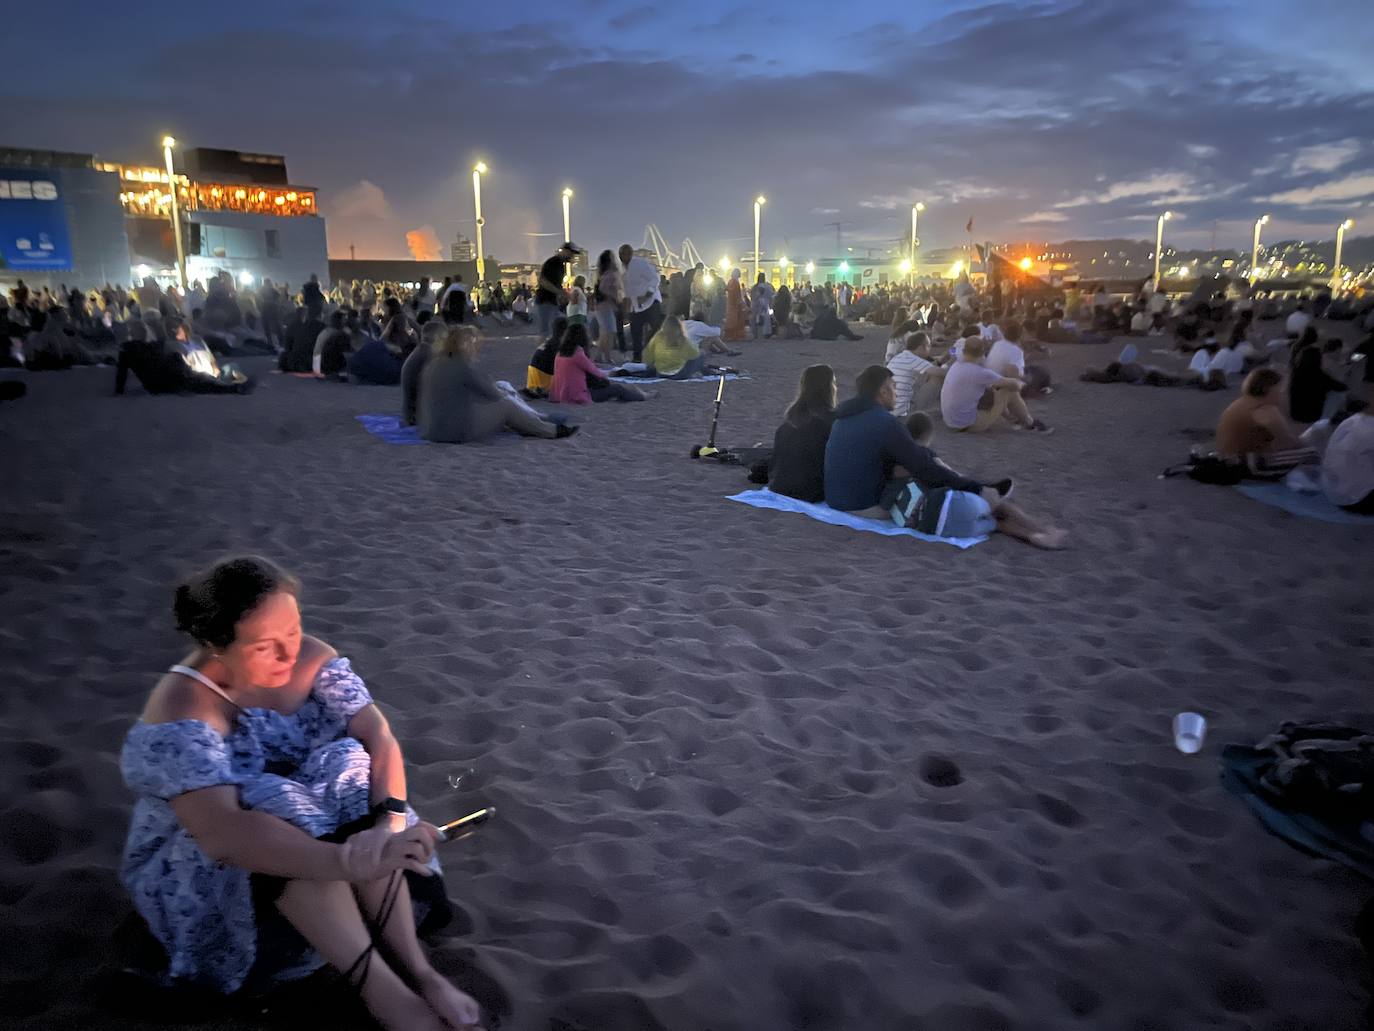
{"type": "Point", "coordinates": [753, 772]}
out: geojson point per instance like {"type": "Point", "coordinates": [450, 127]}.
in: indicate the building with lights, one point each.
{"type": "Point", "coordinates": [102, 222]}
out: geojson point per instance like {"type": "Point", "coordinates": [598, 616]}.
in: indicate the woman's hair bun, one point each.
{"type": "Point", "coordinates": [210, 605]}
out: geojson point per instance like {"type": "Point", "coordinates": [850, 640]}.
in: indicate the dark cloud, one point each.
{"type": "Point", "coordinates": [1091, 113]}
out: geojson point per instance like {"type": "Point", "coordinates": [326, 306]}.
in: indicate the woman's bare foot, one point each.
{"type": "Point", "coordinates": [1050, 540]}
{"type": "Point", "coordinates": [455, 1008]}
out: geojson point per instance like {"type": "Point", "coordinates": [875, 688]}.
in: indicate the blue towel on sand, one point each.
{"type": "Point", "coordinates": [826, 514]}
{"type": "Point", "coordinates": [389, 429]}
{"type": "Point", "coordinates": [1309, 506]}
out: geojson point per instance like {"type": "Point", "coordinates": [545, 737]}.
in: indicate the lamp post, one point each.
{"type": "Point", "coordinates": [477, 172]}
{"type": "Point", "coordinates": [1349, 223]}
{"type": "Point", "coordinates": [916, 210]}
{"type": "Point", "coordinates": [1159, 243]}
{"type": "Point", "coordinates": [567, 213]}
{"type": "Point", "coordinates": [1254, 253]}
{"type": "Point", "coordinates": [759, 202]}
{"type": "Point", "coordinates": [167, 144]}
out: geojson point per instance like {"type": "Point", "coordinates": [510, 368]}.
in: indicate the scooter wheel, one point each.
{"type": "Point", "coordinates": [696, 452]}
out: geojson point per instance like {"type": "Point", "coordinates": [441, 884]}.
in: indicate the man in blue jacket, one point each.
{"type": "Point", "coordinates": [868, 442]}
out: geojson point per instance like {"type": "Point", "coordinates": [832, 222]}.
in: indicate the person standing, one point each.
{"type": "Point", "coordinates": [761, 316]}
{"type": "Point", "coordinates": [608, 295]}
{"type": "Point", "coordinates": [735, 318]}
{"type": "Point", "coordinates": [549, 295]}
{"type": "Point", "coordinates": [642, 297]}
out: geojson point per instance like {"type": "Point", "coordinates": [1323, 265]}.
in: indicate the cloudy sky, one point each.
{"type": "Point", "coordinates": [1041, 120]}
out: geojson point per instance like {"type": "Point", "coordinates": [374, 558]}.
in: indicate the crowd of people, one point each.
{"type": "Point", "coordinates": [289, 836]}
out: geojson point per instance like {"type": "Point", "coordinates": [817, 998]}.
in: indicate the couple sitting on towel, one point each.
{"type": "Point", "coordinates": [452, 401]}
{"type": "Point", "coordinates": [858, 457]}
{"type": "Point", "coordinates": [562, 371]}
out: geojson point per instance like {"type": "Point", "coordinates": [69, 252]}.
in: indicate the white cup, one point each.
{"type": "Point", "coordinates": [1189, 730]}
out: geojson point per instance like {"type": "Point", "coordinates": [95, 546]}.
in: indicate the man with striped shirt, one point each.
{"type": "Point", "coordinates": [910, 370]}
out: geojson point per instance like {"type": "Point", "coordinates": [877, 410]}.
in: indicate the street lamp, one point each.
{"type": "Point", "coordinates": [1159, 242]}
{"type": "Point", "coordinates": [810, 269]}
{"type": "Point", "coordinates": [1254, 254]}
{"type": "Point", "coordinates": [567, 213]}
{"type": "Point", "coordinates": [478, 170]}
{"type": "Point", "coordinates": [725, 265]}
{"type": "Point", "coordinates": [759, 202]}
{"type": "Point", "coordinates": [167, 144]}
{"type": "Point", "coordinates": [916, 210]}
{"type": "Point", "coordinates": [1349, 223]}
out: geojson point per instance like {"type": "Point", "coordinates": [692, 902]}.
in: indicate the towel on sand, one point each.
{"type": "Point", "coordinates": [389, 429]}
{"type": "Point", "coordinates": [1308, 506]}
{"type": "Point", "coordinates": [1310, 785]}
{"type": "Point", "coordinates": [631, 372]}
{"type": "Point", "coordinates": [826, 514]}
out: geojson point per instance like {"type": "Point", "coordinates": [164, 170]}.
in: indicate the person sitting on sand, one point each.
{"type": "Point", "coordinates": [1256, 429]}
{"type": "Point", "coordinates": [1011, 519]}
{"type": "Point", "coordinates": [577, 380]}
{"type": "Point", "coordinates": [671, 354]}
{"type": "Point", "coordinates": [829, 326]}
{"type": "Point", "coordinates": [55, 346]}
{"type": "Point", "coordinates": [162, 368]}
{"type": "Point", "coordinates": [974, 398]}
{"type": "Point", "coordinates": [539, 372]}
{"type": "Point", "coordinates": [1309, 386]}
{"type": "Point", "coordinates": [270, 787]}
{"type": "Point", "coordinates": [375, 363]}
{"type": "Point", "coordinates": [412, 371]}
{"type": "Point", "coordinates": [1007, 357]}
{"type": "Point", "coordinates": [1348, 466]}
{"type": "Point", "coordinates": [797, 468]}
{"type": "Point", "coordinates": [459, 404]}
{"type": "Point", "coordinates": [870, 456]}
{"type": "Point", "coordinates": [911, 371]}
{"type": "Point", "coordinates": [332, 346]}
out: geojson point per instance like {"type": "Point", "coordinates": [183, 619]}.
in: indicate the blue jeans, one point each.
{"type": "Point", "coordinates": [545, 314]}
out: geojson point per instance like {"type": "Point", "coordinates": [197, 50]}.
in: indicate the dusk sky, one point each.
{"type": "Point", "coordinates": [1041, 121]}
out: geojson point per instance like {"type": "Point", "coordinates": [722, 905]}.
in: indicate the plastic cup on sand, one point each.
{"type": "Point", "coordinates": [1189, 730]}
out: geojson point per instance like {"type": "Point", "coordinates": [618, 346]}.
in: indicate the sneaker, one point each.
{"type": "Point", "coordinates": [1039, 427]}
{"type": "Point", "coordinates": [1003, 487]}
{"type": "Point", "coordinates": [564, 430]}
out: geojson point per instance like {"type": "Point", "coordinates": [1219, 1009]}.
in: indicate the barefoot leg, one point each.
{"type": "Point", "coordinates": [326, 914]}
{"type": "Point", "coordinates": [454, 1007]}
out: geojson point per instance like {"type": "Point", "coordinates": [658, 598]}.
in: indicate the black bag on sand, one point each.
{"type": "Point", "coordinates": [1209, 468]}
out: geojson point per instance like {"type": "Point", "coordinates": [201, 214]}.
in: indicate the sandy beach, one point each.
{"type": "Point", "coordinates": [753, 772]}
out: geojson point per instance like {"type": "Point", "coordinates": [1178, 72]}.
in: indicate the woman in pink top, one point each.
{"type": "Point", "coordinates": [577, 380]}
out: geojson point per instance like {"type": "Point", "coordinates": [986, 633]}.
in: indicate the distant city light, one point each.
{"type": "Point", "coordinates": [956, 269]}
{"type": "Point", "coordinates": [246, 278]}
{"type": "Point", "coordinates": [725, 264]}
{"type": "Point", "coordinates": [844, 266]}
{"type": "Point", "coordinates": [810, 267]}
{"type": "Point", "coordinates": [1025, 264]}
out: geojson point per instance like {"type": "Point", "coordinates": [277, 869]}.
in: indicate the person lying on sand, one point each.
{"type": "Point", "coordinates": [459, 404]}
{"type": "Point", "coordinates": [1011, 519]}
{"type": "Point", "coordinates": [270, 786]}
{"type": "Point", "coordinates": [975, 398]}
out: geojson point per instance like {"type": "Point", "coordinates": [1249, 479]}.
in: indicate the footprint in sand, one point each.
{"type": "Point", "coordinates": [940, 772]}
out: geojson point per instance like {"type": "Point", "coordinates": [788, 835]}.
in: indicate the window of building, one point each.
{"type": "Point", "coordinates": [273, 243]}
{"type": "Point", "coordinates": [228, 242]}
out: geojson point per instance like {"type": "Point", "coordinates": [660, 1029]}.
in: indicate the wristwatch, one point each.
{"type": "Point", "coordinates": [390, 807]}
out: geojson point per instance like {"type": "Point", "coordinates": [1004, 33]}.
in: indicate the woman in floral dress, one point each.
{"type": "Point", "coordinates": [271, 833]}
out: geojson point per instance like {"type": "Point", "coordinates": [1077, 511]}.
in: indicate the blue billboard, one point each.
{"type": "Point", "coordinates": [33, 220]}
